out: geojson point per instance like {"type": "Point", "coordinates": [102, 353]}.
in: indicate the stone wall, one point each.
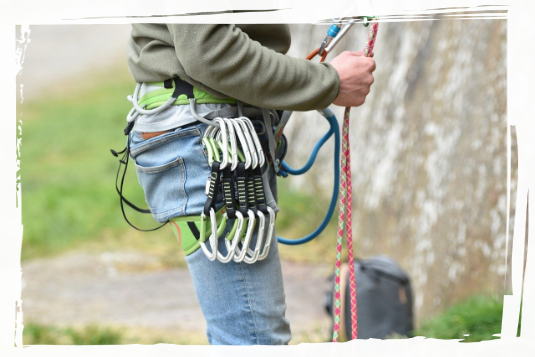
{"type": "Point", "coordinates": [443, 150]}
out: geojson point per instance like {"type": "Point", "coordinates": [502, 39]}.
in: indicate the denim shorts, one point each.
{"type": "Point", "coordinates": [243, 304]}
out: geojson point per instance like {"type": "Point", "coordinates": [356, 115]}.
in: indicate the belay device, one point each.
{"type": "Point", "coordinates": [238, 161]}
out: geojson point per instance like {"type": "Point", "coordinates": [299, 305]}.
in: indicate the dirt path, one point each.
{"type": "Point", "coordinates": [39, 53]}
{"type": "Point", "coordinates": [115, 289]}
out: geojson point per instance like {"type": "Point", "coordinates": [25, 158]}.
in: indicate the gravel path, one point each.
{"type": "Point", "coordinates": [38, 53]}
{"type": "Point", "coordinates": [114, 289]}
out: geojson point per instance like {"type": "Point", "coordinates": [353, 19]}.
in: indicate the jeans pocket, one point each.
{"type": "Point", "coordinates": [172, 169]}
{"type": "Point", "coordinates": [164, 187]}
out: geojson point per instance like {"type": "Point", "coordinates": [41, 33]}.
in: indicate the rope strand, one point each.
{"type": "Point", "coordinates": [345, 208]}
{"type": "Point", "coordinates": [346, 203]}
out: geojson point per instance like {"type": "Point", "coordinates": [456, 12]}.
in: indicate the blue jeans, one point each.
{"type": "Point", "coordinates": [243, 304]}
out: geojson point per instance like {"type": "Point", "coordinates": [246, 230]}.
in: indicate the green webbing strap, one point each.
{"type": "Point", "coordinates": [158, 97]}
{"type": "Point", "coordinates": [187, 230]}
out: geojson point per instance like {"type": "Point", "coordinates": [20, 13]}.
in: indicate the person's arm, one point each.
{"type": "Point", "coordinates": [224, 58]}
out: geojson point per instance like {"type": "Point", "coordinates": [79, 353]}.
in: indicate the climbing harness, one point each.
{"type": "Point", "coordinates": [237, 161]}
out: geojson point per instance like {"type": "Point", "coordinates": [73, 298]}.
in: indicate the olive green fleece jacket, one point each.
{"type": "Point", "coordinates": [245, 62]}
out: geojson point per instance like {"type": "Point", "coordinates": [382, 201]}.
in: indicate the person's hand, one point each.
{"type": "Point", "coordinates": [355, 72]}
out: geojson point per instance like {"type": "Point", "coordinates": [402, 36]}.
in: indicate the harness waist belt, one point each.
{"type": "Point", "coordinates": [155, 98]}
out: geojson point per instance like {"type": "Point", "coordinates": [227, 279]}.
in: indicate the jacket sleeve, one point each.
{"type": "Point", "coordinates": [224, 58]}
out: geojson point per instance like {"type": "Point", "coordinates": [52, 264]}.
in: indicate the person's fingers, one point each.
{"type": "Point", "coordinates": [355, 53]}
{"type": "Point", "coordinates": [372, 65]}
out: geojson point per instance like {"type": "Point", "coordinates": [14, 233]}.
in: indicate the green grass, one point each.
{"type": "Point", "coordinates": [39, 340]}
{"type": "Point", "coordinates": [67, 171]}
{"type": "Point", "coordinates": [93, 337]}
{"type": "Point", "coordinates": [478, 327]}
{"type": "Point", "coordinates": [483, 326]}
{"type": "Point", "coordinates": [301, 214]}
{"type": "Point", "coordinates": [36, 334]}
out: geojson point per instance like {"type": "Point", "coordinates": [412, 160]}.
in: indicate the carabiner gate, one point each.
{"type": "Point", "coordinates": [338, 31]}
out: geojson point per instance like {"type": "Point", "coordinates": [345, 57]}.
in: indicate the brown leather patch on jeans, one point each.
{"type": "Point", "coordinates": [146, 136]}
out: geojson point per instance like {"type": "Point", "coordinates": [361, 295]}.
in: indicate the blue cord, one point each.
{"type": "Point", "coordinates": [286, 169]}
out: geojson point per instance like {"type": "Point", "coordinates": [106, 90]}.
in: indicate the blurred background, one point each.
{"type": "Point", "coordinates": [429, 181]}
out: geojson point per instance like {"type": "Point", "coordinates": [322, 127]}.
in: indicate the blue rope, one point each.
{"type": "Point", "coordinates": [286, 169]}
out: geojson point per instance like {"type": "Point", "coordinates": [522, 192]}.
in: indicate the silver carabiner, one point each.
{"type": "Point", "coordinates": [257, 144]}
{"type": "Point", "coordinates": [243, 143]}
{"type": "Point", "coordinates": [240, 252]}
{"type": "Point", "coordinates": [231, 247]}
{"type": "Point", "coordinates": [254, 255]}
{"type": "Point", "coordinates": [233, 144]}
{"type": "Point", "coordinates": [223, 142]}
{"type": "Point", "coordinates": [213, 237]}
{"type": "Point", "coordinates": [271, 232]}
{"type": "Point", "coordinates": [338, 37]}
{"type": "Point", "coordinates": [250, 143]}
{"type": "Point", "coordinates": [338, 30]}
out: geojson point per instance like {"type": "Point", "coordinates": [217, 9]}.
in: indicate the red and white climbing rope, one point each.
{"type": "Point", "coordinates": [345, 208]}
{"type": "Point", "coordinates": [345, 200]}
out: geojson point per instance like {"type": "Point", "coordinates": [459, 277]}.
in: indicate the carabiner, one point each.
{"type": "Point", "coordinates": [365, 11]}
{"type": "Point", "coordinates": [240, 252]}
{"type": "Point", "coordinates": [254, 255]}
{"type": "Point", "coordinates": [334, 35]}
{"type": "Point", "coordinates": [249, 140]}
{"type": "Point", "coordinates": [213, 236]}
{"type": "Point", "coordinates": [232, 243]}
{"type": "Point", "coordinates": [212, 150]}
{"type": "Point", "coordinates": [331, 34]}
{"type": "Point", "coordinates": [257, 144]}
{"type": "Point", "coordinates": [233, 144]}
{"type": "Point", "coordinates": [223, 143]}
{"type": "Point", "coordinates": [271, 232]}
{"type": "Point", "coordinates": [339, 36]}
{"type": "Point", "coordinates": [243, 143]}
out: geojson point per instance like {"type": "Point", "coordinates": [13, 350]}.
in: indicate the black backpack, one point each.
{"type": "Point", "coordinates": [384, 300]}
